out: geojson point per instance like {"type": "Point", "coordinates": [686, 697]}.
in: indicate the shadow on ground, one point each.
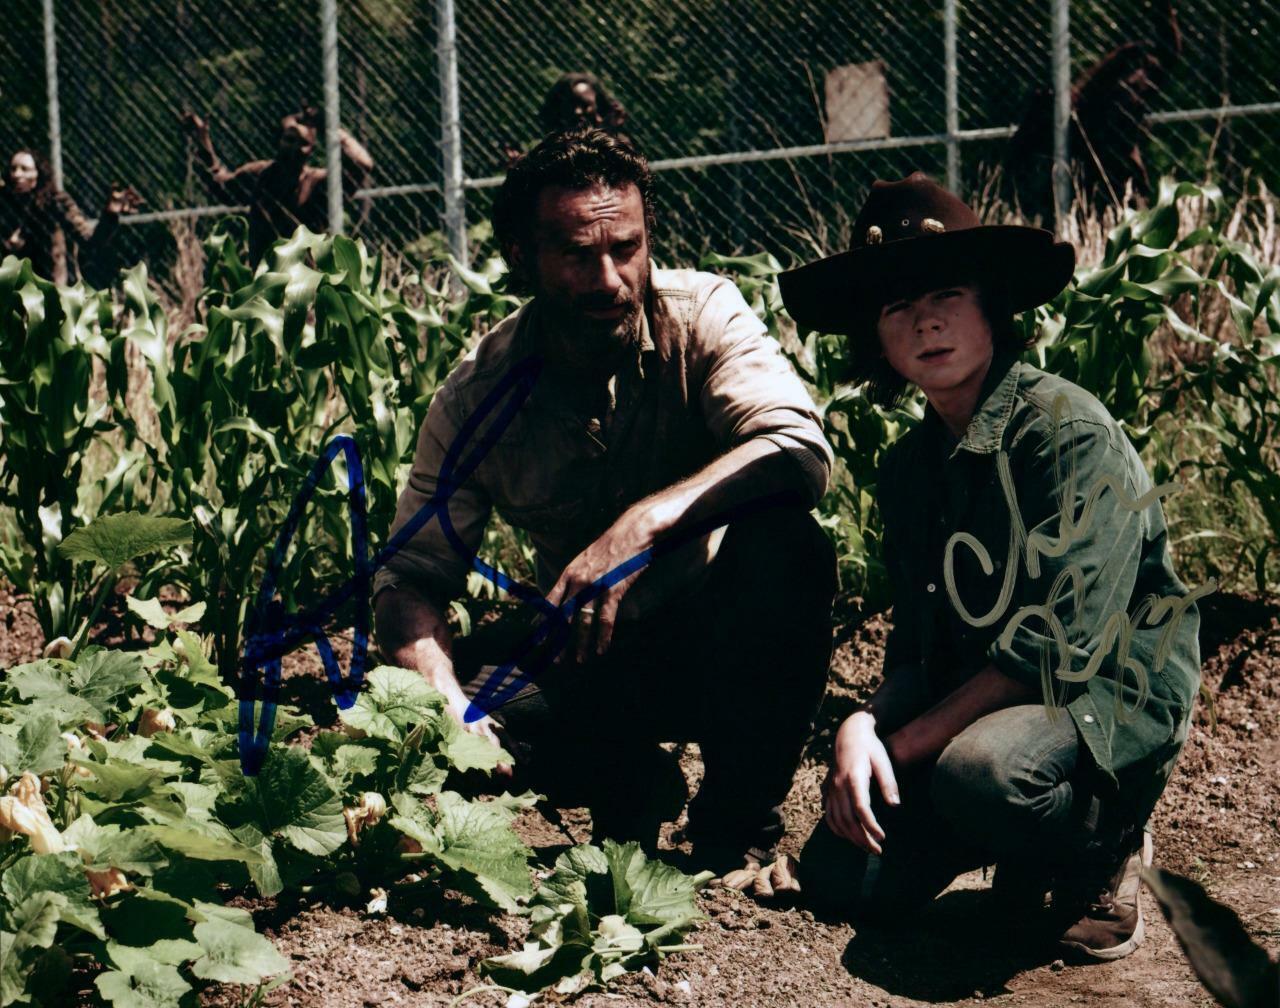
{"type": "Point", "coordinates": [958, 948]}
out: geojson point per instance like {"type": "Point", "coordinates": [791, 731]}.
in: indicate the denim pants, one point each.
{"type": "Point", "coordinates": [739, 666]}
{"type": "Point", "coordinates": [1016, 785]}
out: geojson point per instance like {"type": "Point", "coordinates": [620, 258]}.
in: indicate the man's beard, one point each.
{"type": "Point", "coordinates": [579, 341]}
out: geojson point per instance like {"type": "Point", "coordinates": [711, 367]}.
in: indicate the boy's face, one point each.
{"type": "Point", "coordinates": [939, 341]}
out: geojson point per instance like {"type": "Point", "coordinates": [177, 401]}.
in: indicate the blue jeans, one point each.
{"type": "Point", "coordinates": [1015, 785]}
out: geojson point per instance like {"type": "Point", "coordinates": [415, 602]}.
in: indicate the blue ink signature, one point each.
{"type": "Point", "coordinates": [271, 633]}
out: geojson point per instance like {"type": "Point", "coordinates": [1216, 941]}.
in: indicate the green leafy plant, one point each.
{"type": "Point", "coordinates": [128, 817]}
{"type": "Point", "coordinates": [601, 913]}
{"type": "Point", "coordinates": [110, 542]}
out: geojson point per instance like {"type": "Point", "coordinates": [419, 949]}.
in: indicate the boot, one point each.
{"type": "Point", "coordinates": [1109, 924]}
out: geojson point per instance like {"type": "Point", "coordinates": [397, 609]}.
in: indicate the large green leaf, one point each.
{"type": "Point", "coordinates": [473, 838]}
{"type": "Point", "coordinates": [60, 873]}
{"type": "Point", "coordinates": [202, 840]}
{"type": "Point", "coordinates": [130, 850]}
{"type": "Point", "coordinates": [141, 980]}
{"type": "Point", "coordinates": [41, 748]}
{"type": "Point", "coordinates": [105, 678]}
{"type": "Point", "coordinates": [96, 688]}
{"type": "Point", "coordinates": [235, 954]}
{"type": "Point", "coordinates": [396, 700]}
{"type": "Point", "coordinates": [293, 799]}
{"type": "Point", "coordinates": [115, 539]}
{"type": "Point", "coordinates": [468, 751]}
{"type": "Point", "coordinates": [47, 685]}
{"type": "Point", "coordinates": [28, 927]}
{"type": "Point", "coordinates": [648, 891]}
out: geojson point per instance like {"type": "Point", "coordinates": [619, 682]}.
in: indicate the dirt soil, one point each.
{"type": "Point", "coordinates": [1219, 823]}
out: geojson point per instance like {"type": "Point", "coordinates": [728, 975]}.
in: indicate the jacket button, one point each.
{"type": "Point", "coordinates": [931, 587]}
{"type": "Point", "coordinates": [1088, 719]}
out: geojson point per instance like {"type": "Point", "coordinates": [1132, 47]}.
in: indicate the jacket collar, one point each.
{"type": "Point", "coordinates": [985, 432]}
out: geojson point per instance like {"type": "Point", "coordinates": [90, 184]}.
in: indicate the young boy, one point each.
{"type": "Point", "coordinates": [1039, 678]}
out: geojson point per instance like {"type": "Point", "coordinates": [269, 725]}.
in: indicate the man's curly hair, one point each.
{"type": "Point", "coordinates": [575, 160]}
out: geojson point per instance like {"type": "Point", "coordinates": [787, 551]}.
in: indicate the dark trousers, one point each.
{"type": "Point", "coordinates": [1015, 786]}
{"type": "Point", "coordinates": [738, 666]}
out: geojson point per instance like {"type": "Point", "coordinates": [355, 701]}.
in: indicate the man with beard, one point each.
{"type": "Point", "coordinates": [660, 410]}
{"type": "Point", "coordinates": [284, 192]}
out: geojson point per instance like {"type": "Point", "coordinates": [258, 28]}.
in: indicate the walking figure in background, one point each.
{"type": "Point", "coordinates": [580, 101]}
{"type": "Point", "coordinates": [286, 191]}
{"type": "Point", "coordinates": [1109, 106]}
{"type": "Point", "coordinates": [35, 218]}
{"type": "Point", "coordinates": [577, 101]}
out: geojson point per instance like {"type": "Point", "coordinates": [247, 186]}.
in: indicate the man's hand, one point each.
{"type": "Point", "coordinates": [860, 755]}
{"type": "Point", "coordinates": [413, 635]}
{"type": "Point", "coordinates": [123, 200]}
{"type": "Point", "coordinates": [592, 628]}
{"type": "Point", "coordinates": [446, 683]}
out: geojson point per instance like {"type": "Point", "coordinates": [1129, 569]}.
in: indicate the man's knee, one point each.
{"type": "Point", "coordinates": [783, 549]}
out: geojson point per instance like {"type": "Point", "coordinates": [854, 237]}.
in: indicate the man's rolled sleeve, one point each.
{"type": "Point", "coordinates": [431, 560]}
{"type": "Point", "coordinates": [750, 389]}
{"type": "Point", "coordinates": [1098, 567]}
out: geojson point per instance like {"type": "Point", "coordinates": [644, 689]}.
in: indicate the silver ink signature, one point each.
{"type": "Point", "coordinates": [1068, 586]}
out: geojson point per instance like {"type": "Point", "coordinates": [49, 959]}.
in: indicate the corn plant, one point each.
{"type": "Point", "coordinates": [52, 340]}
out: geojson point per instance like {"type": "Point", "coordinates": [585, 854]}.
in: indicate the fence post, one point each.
{"type": "Point", "coordinates": [455, 209]}
{"type": "Point", "coordinates": [952, 93]}
{"type": "Point", "coordinates": [1061, 109]}
{"type": "Point", "coordinates": [51, 92]}
{"type": "Point", "coordinates": [332, 145]}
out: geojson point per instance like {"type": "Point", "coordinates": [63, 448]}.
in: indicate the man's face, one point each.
{"type": "Point", "coordinates": [585, 106]}
{"type": "Point", "coordinates": [23, 173]}
{"type": "Point", "coordinates": [939, 341]}
{"type": "Point", "coordinates": [590, 271]}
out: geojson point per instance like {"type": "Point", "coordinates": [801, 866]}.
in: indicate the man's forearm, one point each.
{"type": "Point", "coordinates": [927, 735]}
{"type": "Point", "coordinates": [412, 633]}
{"type": "Point", "coordinates": [753, 470]}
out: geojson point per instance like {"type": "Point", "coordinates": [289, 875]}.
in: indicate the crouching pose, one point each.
{"type": "Point", "coordinates": [1039, 678]}
{"type": "Point", "coordinates": [656, 409]}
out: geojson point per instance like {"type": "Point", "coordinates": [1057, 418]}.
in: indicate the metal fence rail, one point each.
{"type": "Point", "coordinates": [738, 103]}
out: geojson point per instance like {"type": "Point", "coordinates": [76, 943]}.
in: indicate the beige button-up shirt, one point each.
{"type": "Point", "coordinates": [706, 378]}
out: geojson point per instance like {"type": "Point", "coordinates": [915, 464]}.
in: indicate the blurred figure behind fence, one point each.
{"type": "Point", "coordinates": [36, 219]}
{"type": "Point", "coordinates": [285, 191]}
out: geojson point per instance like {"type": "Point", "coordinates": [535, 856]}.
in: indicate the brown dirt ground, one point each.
{"type": "Point", "coordinates": [1219, 822]}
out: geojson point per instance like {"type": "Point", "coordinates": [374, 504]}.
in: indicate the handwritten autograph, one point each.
{"type": "Point", "coordinates": [272, 633]}
{"type": "Point", "coordinates": [1119, 627]}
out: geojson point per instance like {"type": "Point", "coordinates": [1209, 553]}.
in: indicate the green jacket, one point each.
{"type": "Point", "coordinates": [1038, 489]}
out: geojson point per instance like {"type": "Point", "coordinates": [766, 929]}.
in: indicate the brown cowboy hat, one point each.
{"type": "Point", "coordinates": [915, 230]}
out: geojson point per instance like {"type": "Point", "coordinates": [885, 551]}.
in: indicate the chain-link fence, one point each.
{"type": "Point", "coordinates": [765, 121]}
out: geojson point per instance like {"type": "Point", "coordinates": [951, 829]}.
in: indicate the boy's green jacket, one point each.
{"type": "Point", "coordinates": [1037, 543]}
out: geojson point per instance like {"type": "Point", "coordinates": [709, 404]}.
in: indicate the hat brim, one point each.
{"type": "Point", "coordinates": [828, 295]}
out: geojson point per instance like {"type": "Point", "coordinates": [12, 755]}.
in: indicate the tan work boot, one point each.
{"type": "Point", "coordinates": [1110, 926]}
